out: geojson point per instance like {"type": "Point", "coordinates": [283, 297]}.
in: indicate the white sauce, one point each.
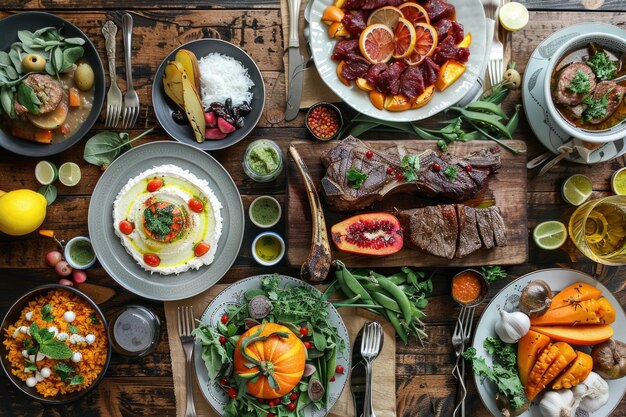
{"type": "Point", "coordinates": [179, 187]}
{"type": "Point", "coordinates": [53, 329]}
{"type": "Point", "coordinates": [69, 316]}
{"type": "Point", "coordinates": [77, 357]}
{"type": "Point", "coordinates": [62, 336]}
{"type": "Point", "coordinates": [76, 338]}
{"type": "Point", "coordinates": [90, 338]}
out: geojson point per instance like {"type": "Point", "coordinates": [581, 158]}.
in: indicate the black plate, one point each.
{"type": "Point", "coordinates": [13, 315]}
{"type": "Point", "coordinates": [37, 20]}
{"type": "Point", "coordinates": [163, 106]}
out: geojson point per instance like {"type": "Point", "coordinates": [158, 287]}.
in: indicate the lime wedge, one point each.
{"type": "Point", "coordinates": [69, 174]}
{"type": "Point", "coordinates": [513, 16]}
{"type": "Point", "coordinates": [550, 235]}
{"type": "Point", "coordinates": [46, 172]}
{"type": "Point", "coordinates": [618, 181]}
{"type": "Point", "coordinates": [576, 189]}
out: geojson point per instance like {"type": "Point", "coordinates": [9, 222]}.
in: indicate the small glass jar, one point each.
{"type": "Point", "coordinates": [134, 331]}
{"type": "Point", "coordinates": [263, 160]}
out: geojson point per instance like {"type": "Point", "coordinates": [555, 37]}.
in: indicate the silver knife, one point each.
{"type": "Point", "coordinates": [295, 63]}
{"type": "Point", "coordinates": [357, 377]}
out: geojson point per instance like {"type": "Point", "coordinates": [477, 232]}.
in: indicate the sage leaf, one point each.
{"type": "Point", "coordinates": [11, 73]}
{"type": "Point", "coordinates": [42, 31]}
{"type": "Point", "coordinates": [71, 55]}
{"type": "Point", "coordinates": [27, 98]}
{"type": "Point", "coordinates": [49, 192]}
{"type": "Point", "coordinates": [5, 60]}
{"type": "Point", "coordinates": [16, 59]}
{"type": "Point", "coordinates": [74, 41]}
{"type": "Point", "coordinates": [6, 99]}
{"type": "Point", "coordinates": [25, 36]}
{"type": "Point", "coordinates": [104, 147]}
{"type": "Point", "coordinates": [57, 59]}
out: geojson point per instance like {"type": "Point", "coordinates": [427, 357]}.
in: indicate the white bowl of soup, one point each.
{"type": "Point", "coordinates": [580, 94]}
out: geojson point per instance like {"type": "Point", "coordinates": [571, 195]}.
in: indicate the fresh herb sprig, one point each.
{"type": "Point", "coordinates": [48, 345]}
{"type": "Point", "coordinates": [493, 273]}
{"type": "Point", "coordinates": [451, 172]}
{"type": "Point", "coordinates": [595, 108]}
{"type": "Point", "coordinates": [601, 65]}
{"type": "Point", "coordinates": [356, 177]}
{"type": "Point", "coordinates": [159, 222]}
{"type": "Point", "coordinates": [580, 84]}
{"type": "Point", "coordinates": [410, 167]}
{"type": "Point", "coordinates": [104, 147]}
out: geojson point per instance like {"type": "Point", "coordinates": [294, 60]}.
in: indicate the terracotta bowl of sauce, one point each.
{"type": "Point", "coordinates": [469, 288]}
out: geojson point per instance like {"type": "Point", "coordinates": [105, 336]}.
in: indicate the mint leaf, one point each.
{"type": "Point", "coordinates": [35, 333]}
{"type": "Point", "coordinates": [410, 166]}
{"type": "Point", "coordinates": [356, 177]}
{"type": "Point", "coordinates": [46, 313]}
{"type": "Point", "coordinates": [63, 370]}
{"type": "Point", "coordinates": [72, 329]}
{"type": "Point", "coordinates": [56, 350]}
{"type": "Point", "coordinates": [30, 366]}
{"type": "Point", "coordinates": [451, 172]}
{"type": "Point", "coordinates": [77, 380]}
{"type": "Point", "coordinates": [93, 318]}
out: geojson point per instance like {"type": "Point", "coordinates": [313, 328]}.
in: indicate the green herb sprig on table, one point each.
{"type": "Point", "coordinates": [356, 177]}
{"type": "Point", "coordinates": [601, 65]}
{"type": "Point", "coordinates": [493, 273]}
{"type": "Point", "coordinates": [483, 119]}
{"type": "Point", "coordinates": [104, 147]}
{"type": "Point", "coordinates": [503, 370]}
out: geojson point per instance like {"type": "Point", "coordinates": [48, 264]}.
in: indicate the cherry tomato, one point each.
{"type": "Point", "coordinates": [154, 184]}
{"type": "Point", "coordinates": [224, 381]}
{"type": "Point", "coordinates": [468, 168]}
{"type": "Point", "coordinates": [369, 154]}
{"type": "Point", "coordinates": [332, 379]}
{"type": "Point", "coordinates": [260, 400]}
{"type": "Point", "coordinates": [224, 318]}
{"type": "Point", "coordinates": [307, 345]}
{"type": "Point", "coordinates": [126, 227]}
{"type": "Point", "coordinates": [437, 167]}
{"type": "Point", "coordinates": [232, 392]}
{"type": "Point", "coordinates": [201, 249]}
{"type": "Point", "coordinates": [291, 406]}
{"type": "Point", "coordinates": [223, 340]}
{"type": "Point", "coordinates": [389, 170]}
{"type": "Point", "coordinates": [339, 369]}
{"type": "Point", "coordinates": [399, 176]}
{"type": "Point", "coordinates": [271, 403]}
{"type": "Point", "coordinates": [304, 331]}
{"type": "Point", "coordinates": [195, 205]}
{"type": "Point", "coordinates": [293, 396]}
{"type": "Point", "coordinates": [151, 259]}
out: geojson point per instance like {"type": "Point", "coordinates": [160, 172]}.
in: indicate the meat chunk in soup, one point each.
{"type": "Point", "coordinates": [614, 96]}
{"type": "Point", "coordinates": [47, 90]}
{"type": "Point", "coordinates": [563, 93]}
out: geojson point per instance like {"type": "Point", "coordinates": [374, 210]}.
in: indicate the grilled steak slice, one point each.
{"type": "Point", "coordinates": [563, 94]}
{"type": "Point", "coordinates": [483, 219]}
{"type": "Point", "coordinates": [469, 240]}
{"type": "Point", "coordinates": [351, 153]}
{"type": "Point", "coordinates": [453, 231]}
{"type": "Point", "coordinates": [497, 223]}
{"type": "Point", "coordinates": [614, 96]}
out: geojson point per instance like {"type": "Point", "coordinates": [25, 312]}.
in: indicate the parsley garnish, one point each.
{"type": "Point", "coordinates": [493, 273]}
{"type": "Point", "coordinates": [72, 329]}
{"type": "Point", "coordinates": [580, 84]}
{"type": "Point", "coordinates": [48, 345]}
{"type": "Point", "coordinates": [356, 177]}
{"type": "Point", "coordinates": [602, 66]}
{"type": "Point", "coordinates": [159, 222]}
{"type": "Point", "coordinates": [93, 318]}
{"type": "Point", "coordinates": [410, 166]}
{"type": "Point", "coordinates": [451, 172]}
{"type": "Point", "coordinates": [595, 108]}
{"type": "Point", "coordinates": [46, 313]}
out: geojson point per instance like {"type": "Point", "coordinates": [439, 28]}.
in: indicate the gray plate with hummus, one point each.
{"type": "Point", "coordinates": [121, 265]}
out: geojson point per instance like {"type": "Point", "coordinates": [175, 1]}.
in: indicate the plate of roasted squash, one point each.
{"type": "Point", "coordinates": [560, 338]}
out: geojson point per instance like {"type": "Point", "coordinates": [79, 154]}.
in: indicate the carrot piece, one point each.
{"type": "Point", "coordinates": [65, 128]}
{"type": "Point", "coordinates": [74, 97]}
{"type": "Point", "coordinates": [43, 136]}
{"type": "Point", "coordinates": [32, 134]}
{"type": "Point", "coordinates": [46, 232]}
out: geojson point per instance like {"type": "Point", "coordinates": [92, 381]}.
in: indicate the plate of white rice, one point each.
{"type": "Point", "coordinates": [226, 72]}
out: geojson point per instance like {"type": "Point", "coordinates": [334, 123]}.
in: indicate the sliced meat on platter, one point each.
{"type": "Point", "coordinates": [444, 177]}
{"type": "Point", "coordinates": [564, 95]}
{"type": "Point", "coordinates": [614, 95]}
{"type": "Point", "coordinates": [453, 230]}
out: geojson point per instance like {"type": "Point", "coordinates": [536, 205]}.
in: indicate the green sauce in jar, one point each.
{"type": "Point", "coordinates": [263, 159]}
{"type": "Point", "coordinates": [81, 252]}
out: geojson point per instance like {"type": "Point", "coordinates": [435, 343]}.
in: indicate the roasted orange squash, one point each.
{"type": "Point", "coordinates": [272, 358]}
{"type": "Point", "coordinates": [528, 349]}
{"type": "Point", "coordinates": [577, 335]}
{"type": "Point", "coordinates": [576, 372]}
{"type": "Point", "coordinates": [575, 293]}
{"type": "Point", "coordinates": [606, 311]}
{"type": "Point", "coordinates": [549, 365]}
{"type": "Point", "coordinates": [574, 314]}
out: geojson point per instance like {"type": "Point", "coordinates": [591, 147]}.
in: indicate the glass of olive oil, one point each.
{"type": "Point", "coordinates": [598, 228]}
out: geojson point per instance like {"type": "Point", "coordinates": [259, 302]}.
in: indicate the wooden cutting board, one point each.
{"type": "Point", "coordinates": [507, 188]}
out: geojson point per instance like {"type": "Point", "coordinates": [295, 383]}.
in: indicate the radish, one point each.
{"type": "Point", "coordinates": [64, 281]}
{"type": "Point", "coordinates": [224, 126]}
{"type": "Point", "coordinates": [211, 120]}
{"type": "Point", "coordinates": [53, 258]}
{"type": "Point", "coordinates": [63, 269]}
{"type": "Point", "coordinates": [214, 133]}
{"type": "Point", "coordinates": [79, 276]}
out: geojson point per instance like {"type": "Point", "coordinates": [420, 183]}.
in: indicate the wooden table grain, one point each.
{"type": "Point", "coordinates": [144, 387]}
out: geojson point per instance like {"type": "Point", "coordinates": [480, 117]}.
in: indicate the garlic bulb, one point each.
{"type": "Point", "coordinates": [558, 404]}
{"type": "Point", "coordinates": [511, 327]}
{"type": "Point", "coordinates": [595, 395]}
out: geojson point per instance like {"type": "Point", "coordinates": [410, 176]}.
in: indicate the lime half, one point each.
{"type": "Point", "coordinates": [576, 189]}
{"type": "Point", "coordinates": [69, 174]}
{"type": "Point", "coordinates": [46, 172]}
{"type": "Point", "coordinates": [550, 235]}
{"type": "Point", "coordinates": [513, 16]}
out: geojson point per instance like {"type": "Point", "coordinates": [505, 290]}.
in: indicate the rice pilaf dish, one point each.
{"type": "Point", "coordinates": [58, 345]}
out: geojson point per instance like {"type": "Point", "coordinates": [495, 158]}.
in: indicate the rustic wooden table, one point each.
{"type": "Point", "coordinates": [144, 387]}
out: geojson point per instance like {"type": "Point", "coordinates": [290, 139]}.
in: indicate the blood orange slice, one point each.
{"type": "Point", "coordinates": [376, 43]}
{"type": "Point", "coordinates": [404, 39]}
{"type": "Point", "coordinates": [414, 13]}
{"type": "Point", "coordinates": [387, 16]}
{"type": "Point", "coordinates": [425, 43]}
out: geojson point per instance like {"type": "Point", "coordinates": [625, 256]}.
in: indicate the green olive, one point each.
{"type": "Point", "coordinates": [514, 79]}
{"type": "Point", "coordinates": [33, 62]}
{"type": "Point", "coordinates": [84, 77]}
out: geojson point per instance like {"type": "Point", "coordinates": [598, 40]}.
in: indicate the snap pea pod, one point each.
{"type": "Point", "coordinates": [399, 296]}
{"type": "Point", "coordinates": [385, 301]}
{"type": "Point", "coordinates": [489, 120]}
{"type": "Point", "coordinates": [395, 322]}
{"type": "Point", "coordinates": [342, 283]}
{"type": "Point", "coordinates": [511, 126]}
{"type": "Point", "coordinates": [398, 278]}
{"type": "Point", "coordinates": [486, 107]}
{"type": "Point", "coordinates": [498, 141]}
{"type": "Point", "coordinates": [330, 290]}
{"type": "Point", "coordinates": [353, 284]}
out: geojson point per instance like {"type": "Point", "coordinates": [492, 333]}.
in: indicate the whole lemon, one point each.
{"type": "Point", "coordinates": [21, 212]}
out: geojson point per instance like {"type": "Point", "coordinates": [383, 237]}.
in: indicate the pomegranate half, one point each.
{"type": "Point", "coordinates": [376, 234]}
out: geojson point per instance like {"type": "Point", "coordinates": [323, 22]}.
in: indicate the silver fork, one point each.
{"type": "Point", "coordinates": [131, 100]}
{"type": "Point", "coordinates": [371, 345]}
{"type": "Point", "coordinates": [466, 331]}
{"type": "Point", "coordinates": [186, 324]}
{"type": "Point", "coordinates": [496, 54]}
{"type": "Point", "coordinates": [114, 96]}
